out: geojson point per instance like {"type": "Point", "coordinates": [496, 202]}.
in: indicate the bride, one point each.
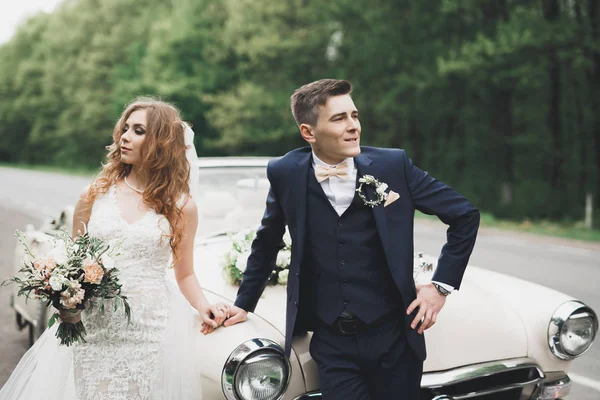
{"type": "Point", "coordinates": [141, 205]}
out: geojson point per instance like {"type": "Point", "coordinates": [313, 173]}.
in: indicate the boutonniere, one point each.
{"type": "Point", "coordinates": [380, 192]}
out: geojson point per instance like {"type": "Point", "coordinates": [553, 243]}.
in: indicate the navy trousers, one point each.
{"type": "Point", "coordinates": [376, 364]}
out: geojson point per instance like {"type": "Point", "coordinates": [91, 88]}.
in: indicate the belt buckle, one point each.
{"type": "Point", "coordinates": [348, 327]}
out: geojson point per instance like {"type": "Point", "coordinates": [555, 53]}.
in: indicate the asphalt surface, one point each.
{"type": "Point", "coordinates": [569, 266]}
{"type": "Point", "coordinates": [14, 342]}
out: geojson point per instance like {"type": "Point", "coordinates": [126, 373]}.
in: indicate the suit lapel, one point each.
{"type": "Point", "coordinates": [365, 166]}
{"type": "Point", "coordinates": [300, 190]}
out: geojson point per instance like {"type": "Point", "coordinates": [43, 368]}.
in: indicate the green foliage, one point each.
{"type": "Point", "coordinates": [497, 98]}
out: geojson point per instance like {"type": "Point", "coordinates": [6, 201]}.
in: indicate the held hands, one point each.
{"type": "Point", "coordinates": [213, 316]}
{"type": "Point", "coordinates": [430, 302]}
{"type": "Point", "coordinates": [237, 315]}
{"type": "Point", "coordinates": [219, 314]}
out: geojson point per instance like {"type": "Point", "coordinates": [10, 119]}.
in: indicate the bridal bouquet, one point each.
{"type": "Point", "coordinates": [235, 260]}
{"type": "Point", "coordinates": [73, 274]}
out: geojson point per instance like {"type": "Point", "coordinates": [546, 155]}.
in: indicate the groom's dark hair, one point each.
{"type": "Point", "coordinates": [307, 99]}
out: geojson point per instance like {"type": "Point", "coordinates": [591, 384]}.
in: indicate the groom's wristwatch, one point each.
{"type": "Point", "coordinates": [441, 290]}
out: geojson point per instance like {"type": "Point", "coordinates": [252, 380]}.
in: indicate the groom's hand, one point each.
{"type": "Point", "coordinates": [236, 315]}
{"type": "Point", "coordinates": [430, 302]}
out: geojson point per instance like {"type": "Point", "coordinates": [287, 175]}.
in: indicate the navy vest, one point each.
{"type": "Point", "coordinates": [345, 260]}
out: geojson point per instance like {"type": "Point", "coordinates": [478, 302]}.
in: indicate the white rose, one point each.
{"type": "Point", "coordinates": [107, 262]}
{"type": "Point", "coordinates": [240, 237]}
{"type": "Point", "coordinates": [59, 253]}
{"type": "Point", "coordinates": [233, 256]}
{"type": "Point", "coordinates": [283, 258]}
{"type": "Point", "coordinates": [242, 261]}
{"type": "Point", "coordinates": [282, 278]}
{"type": "Point", "coordinates": [225, 260]}
{"type": "Point", "coordinates": [287, 238]}
{"type": "Point", "coordinates": [250, 236]}
{"type": "Point", "coordinates": [382, 188]}
{"type": "Point", "coordinates": [57, 282]}
{"type": "Point", "coordinates": [228, 277]}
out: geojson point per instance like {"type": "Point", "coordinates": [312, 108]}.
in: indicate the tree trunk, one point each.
{"type": "Point", "coordinates": [551, 13]}
{"type": "Point", "coordinates": [502, 128]}
{"type": "Point", "coordinates": [413, 138]}
{"type": "Point", "coordinates": [583, 137]}
{"type": "Point", "coordinates": [582, 132]}
{"type": "Point", "coordinates": [594, 77]}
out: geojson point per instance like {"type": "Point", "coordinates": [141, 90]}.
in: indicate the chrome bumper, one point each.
{"type": "Point", "coordinates": [515, 379]}
{"type": "Point", "coordinates": [556, 385]}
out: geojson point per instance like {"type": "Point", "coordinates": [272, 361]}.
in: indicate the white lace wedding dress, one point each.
{"type": "Point", "coordinates": [154, 357]}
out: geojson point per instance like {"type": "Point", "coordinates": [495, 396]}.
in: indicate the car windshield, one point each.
{"type": "Point", "coordinates": [230, 198]}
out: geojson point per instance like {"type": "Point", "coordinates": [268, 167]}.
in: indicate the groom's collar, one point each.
{"type": "Point", "coordinates": [362, 160]}
{"type": "Point", "coordinates": [304, 157]}
{"type": "Point", "coordinates": [317, 161]}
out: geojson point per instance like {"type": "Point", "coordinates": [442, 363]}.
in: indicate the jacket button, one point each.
{"type": "Point", "coordinates": [342, 262]}
{"type": "Point", "coordinates": [346, 302]}
{"type": "Point", "coordinates": [297, 273]}
{"type": "Point", "coordinates": [296, 303]}
{"type": "Point", "coordinates": [339, 224]}
{"type": "Point", "coordinates": [341, 244]}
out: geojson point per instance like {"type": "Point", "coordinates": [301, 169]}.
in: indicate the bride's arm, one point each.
{"type": "Point", "coordinates": [184, 271]}
{"type": "Point", "coordinates": [81, 214]}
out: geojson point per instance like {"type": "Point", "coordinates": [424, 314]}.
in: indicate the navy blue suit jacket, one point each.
{"type": "Point", "coordinates": [286, 205]}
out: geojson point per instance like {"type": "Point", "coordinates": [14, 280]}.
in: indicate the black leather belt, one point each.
{"type": "Point", "coordinates": [347, 324]}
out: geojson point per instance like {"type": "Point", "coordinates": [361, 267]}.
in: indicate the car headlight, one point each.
{"type": "Point", "coordinates": [572, 330]}
{"type": "Point", "coordinates": [256, 369]}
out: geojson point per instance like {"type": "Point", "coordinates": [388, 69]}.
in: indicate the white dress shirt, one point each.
{"type": "Point", "coordinates": [340, 191]}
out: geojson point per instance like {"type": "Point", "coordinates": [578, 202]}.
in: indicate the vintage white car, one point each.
{"type": "Point", "coordinates": [515, 344]}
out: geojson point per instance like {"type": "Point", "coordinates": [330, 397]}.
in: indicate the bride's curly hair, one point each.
{"type": "Point", "coordinates": [163, 161]}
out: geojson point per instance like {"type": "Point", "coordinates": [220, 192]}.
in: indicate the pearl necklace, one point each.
{"type": "Point", "coordinates": [131, 187]}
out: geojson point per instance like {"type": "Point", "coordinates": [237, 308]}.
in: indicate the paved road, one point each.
{"type": "Point", "coordinates": [13, 343]}
{"type": "Point", "coordinates": [568, 266]}
{"type": "Point", "coordinates": [38, 194]}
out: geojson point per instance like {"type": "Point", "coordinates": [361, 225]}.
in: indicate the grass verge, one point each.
{"type": "Point", "coordinates": [569, 230]}
{"type": "Point", "coordinates": [78, 171]}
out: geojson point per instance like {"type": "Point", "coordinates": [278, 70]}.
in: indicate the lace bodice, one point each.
{"type": "Point", "coordinates": [141, 242]}
{"type": "Point", "coordinates": [118, 359]}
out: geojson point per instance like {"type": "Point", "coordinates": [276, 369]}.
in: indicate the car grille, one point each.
{"type": "Point", "coordinates": [502, 380]}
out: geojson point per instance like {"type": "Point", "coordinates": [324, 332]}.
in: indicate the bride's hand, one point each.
{"type": "Point", "coordinates": [213, 316]}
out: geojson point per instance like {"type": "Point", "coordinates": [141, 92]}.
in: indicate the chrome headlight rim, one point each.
{"type": "Point", "coordinates": [243, 352]}
{"type": "Point", "coordinates": [560, 316]}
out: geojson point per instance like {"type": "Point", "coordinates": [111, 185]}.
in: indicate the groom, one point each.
{"type": "Point", "coordinates": [351, 274]}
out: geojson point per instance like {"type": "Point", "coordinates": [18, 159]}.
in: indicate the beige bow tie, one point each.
{"type": "Point", "coordinates": [322, 173]}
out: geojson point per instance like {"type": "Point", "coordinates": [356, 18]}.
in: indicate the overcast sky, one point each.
{"type": "Point", "coordinates": [14, 11]}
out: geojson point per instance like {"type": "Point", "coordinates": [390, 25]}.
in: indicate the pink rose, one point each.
{"type": "Point", "coordinates": [93, 273]}
{"type": "Point", "coordinates": [50, 263]}
{"type": "Point", "coordinates": [44, 264]}
{"type": "Point", "coordinates": [39, 264]}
